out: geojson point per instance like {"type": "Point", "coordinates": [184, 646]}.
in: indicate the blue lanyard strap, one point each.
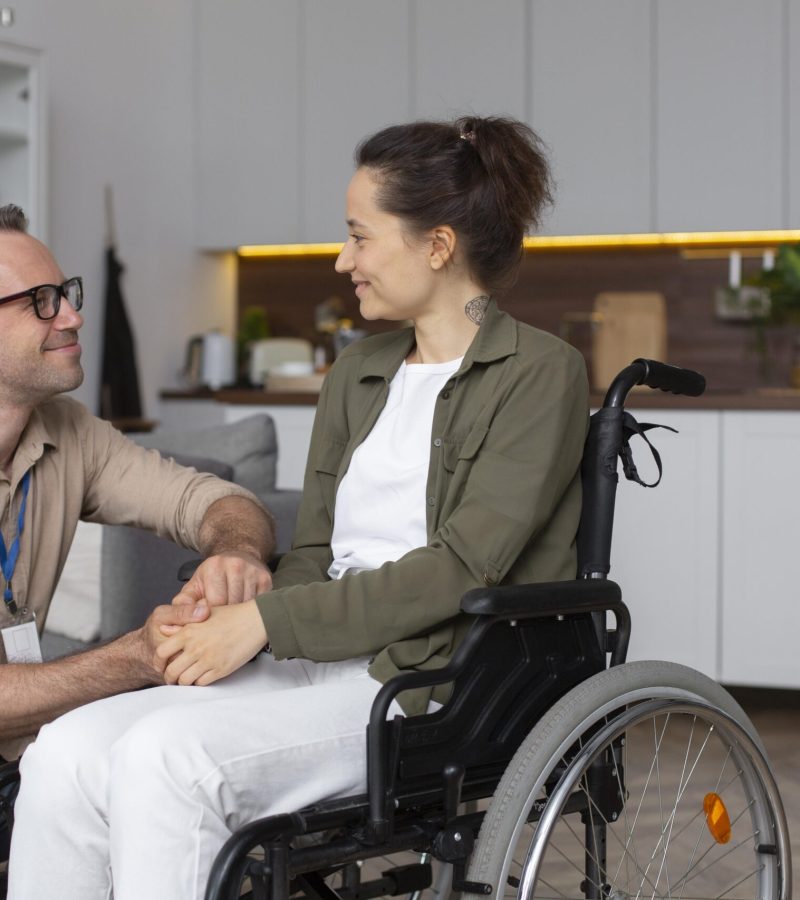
{"type": "Point", "coordinates": [8, 558]}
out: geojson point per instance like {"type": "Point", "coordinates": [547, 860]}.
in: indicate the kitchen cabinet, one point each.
{"type": "Point", "coordinates": [356, 79]}
{"type": "Point", "coordinates": [469, 64]}
{"type": "Point", "coordinates": [247, 75]}
{"type": "Point", "coordinates": [720, 115]}
{"type": "Point", "coordinates": [591, 102]}
{"type": "Point", "coordinates": [761, 597]}
{"type": "Point", "coordinates": [792, 106]}
{"type": "Point", "coordinates": [23, 137]}
{"type": "Point", "coordinates": [665, 549]}
{"type": "Point", "coordinates": [661, 116]}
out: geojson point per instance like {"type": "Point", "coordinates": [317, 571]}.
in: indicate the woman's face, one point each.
{"type": "Point", "coordinates": [391, 270]}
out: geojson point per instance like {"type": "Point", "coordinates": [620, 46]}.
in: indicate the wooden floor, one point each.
{"type": "Point", "coordinates": [776, 716]}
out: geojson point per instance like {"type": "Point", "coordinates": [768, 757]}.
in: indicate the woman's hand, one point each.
{"type": "Point", "coordinates": [203, 652]}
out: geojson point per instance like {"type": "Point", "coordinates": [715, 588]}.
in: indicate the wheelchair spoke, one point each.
{"type": "Point", "coordinates": [630, 830]}
{"type": "Point", "coordinates": [683, 784]}
{"type": "Point", "coordinates": [626, 854]}
{"type": "Point", "coordinates": [694, 863]}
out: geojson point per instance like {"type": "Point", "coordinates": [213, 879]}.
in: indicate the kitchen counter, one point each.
{"type": "Point", "coordinates": [759, 399]}
{"type": "Point", "coordinates": [244, 396]}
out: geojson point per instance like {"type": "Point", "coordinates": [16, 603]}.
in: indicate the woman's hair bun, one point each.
{"type": "Point", "coordinates": [488, 178]}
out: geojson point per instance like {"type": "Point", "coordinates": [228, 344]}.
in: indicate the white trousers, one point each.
{"type": "Point", "coordinates": [133, 796]}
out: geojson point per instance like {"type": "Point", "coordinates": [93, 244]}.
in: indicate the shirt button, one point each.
{"type": "Point", "coordinates": [445, 395]}
{"type": "Point", "coordinates": [488, 580]}
{"type": "Point", "coordinates": [431, 501]}
{"type": "Point", "coordinates": [437, 442]}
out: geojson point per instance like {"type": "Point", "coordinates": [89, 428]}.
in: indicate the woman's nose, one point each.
{"type": "Point", "coordinates": [344, 261]}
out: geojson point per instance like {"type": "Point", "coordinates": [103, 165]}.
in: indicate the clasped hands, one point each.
{"type": "Point", "coordinates": [213, 626]}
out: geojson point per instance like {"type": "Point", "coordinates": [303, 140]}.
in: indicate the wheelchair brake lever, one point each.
{"type": "Point", "coordinates": [453, 778]}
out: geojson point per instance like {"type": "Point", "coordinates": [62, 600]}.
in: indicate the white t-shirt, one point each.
{"type": "Point", "coordinates": [380, 504]}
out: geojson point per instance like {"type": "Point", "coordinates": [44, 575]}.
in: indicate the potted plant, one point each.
{"type": "Point", "coordinates": [781, 285]}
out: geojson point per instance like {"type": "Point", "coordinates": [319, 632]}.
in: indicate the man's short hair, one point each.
{"type": "Point", "coordinates": [12, 218]}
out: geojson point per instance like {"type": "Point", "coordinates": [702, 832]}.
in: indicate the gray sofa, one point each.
{"type": "Point", "coordinates": [138, 570]}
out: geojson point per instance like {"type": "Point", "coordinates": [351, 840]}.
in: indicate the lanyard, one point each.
{"type": "Point", "coordinates": [8, 558]}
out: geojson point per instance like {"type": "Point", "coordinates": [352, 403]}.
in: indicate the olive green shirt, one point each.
{"type": "Point", "coordinates": [503, 500]}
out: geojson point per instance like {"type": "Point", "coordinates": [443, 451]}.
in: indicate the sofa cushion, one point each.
{"type": "Point", "coordinates": [249, 446]}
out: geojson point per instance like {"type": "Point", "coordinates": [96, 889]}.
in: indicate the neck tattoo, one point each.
{"type": "Point", "coordinates": [476, 308]}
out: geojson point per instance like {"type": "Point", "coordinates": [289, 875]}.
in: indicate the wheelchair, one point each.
{"type": "Point", "coordinates": [556, 769]}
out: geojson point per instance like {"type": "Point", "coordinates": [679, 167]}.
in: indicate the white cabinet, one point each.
{"type": "Point", "coordinates": [665, 548]}
{"type": "Point", "coordinates": [591, 102]}
{"type": "Point", "coordinates": [671, 115]}
{"type": "Point", "coordinates": [356, 79]}
{"type": "Point", "coordinates": [469, 61]}
{"type": "Point", "coordinates": [247, 122]}
{"type": "Point", "coordinates": [793, 106]}
{"type": "Point", "coordinates": [721, 119]}
{"type": "Point", "coordinates": [760, 540]}
{"type": "Point", "coordinates": [23, 134]}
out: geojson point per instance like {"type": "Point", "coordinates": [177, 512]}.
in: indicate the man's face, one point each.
{"type": "Point", "coordinates": [38, 359]}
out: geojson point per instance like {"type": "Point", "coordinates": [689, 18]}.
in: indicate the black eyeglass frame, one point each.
{"type": "Point", "coordinates": [61, 291]}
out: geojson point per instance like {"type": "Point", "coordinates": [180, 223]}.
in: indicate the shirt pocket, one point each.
{"type": "Point", "coordinates": [467, 449]}
{"type": "Point", "coordinates": [329, 456]}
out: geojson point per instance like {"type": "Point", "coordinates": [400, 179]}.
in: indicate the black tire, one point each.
{"type": "Point", "coordinates": [666, 738]}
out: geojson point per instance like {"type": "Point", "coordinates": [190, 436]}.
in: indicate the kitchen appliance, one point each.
{"type": "Point", "coordinates": [210, 361]}
{"type": "Point", "coordinates": [626, 325]}
{"type": "Point", "coordinates": [287, 357]}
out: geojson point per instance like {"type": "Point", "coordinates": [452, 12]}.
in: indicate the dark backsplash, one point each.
{"type": "Point", "coordinates": [551, 285]}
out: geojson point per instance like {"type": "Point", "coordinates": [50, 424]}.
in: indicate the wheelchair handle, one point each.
{"type": "Point", "coordinates": [655, 375]}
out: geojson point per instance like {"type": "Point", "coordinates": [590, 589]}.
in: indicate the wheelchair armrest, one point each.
{"type": "Point", "coordinates": [522, 601]}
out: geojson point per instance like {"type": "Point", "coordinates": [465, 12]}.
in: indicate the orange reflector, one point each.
{"type": "Point", "coordinates": [717, 818]}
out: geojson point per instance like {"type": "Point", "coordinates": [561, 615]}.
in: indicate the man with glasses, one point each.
{"type": "Point", "coordinates": [58, 463]}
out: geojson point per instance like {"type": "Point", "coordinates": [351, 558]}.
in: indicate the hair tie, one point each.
{"type": "Point", "coordinates": [468, 136]}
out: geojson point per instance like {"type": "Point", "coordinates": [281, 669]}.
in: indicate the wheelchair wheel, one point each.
{"type": "Point", "coordinates": [647, 780]}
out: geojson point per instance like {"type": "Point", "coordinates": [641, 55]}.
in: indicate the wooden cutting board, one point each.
{"type": "Point", "coordinates": [629, 325]}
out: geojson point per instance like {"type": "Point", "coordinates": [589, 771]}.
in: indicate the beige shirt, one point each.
{"type": "Point", "coordinates": [83, 468]}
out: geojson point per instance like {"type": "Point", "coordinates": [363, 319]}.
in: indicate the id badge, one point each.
{"type": "Point", "coordinates": [21, 640]}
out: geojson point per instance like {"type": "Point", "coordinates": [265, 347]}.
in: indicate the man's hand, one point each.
{"type": "Point", "coordinates": [230, 577]}
{"type": "Point", "coordinates": [163, 620]}
{"type": "Point", "coordinates": [35, 693]}
{"type": "Point", "coordinates": [205, 651]}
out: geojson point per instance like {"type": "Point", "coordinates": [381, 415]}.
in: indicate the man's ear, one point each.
{"type": "Point", "coordinates": [443, 246]}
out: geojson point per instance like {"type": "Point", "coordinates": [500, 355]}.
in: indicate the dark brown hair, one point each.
{"type": "Point", "coordinates": [488, 179]}
{"type": "Point", "coordinates": [12, 218]}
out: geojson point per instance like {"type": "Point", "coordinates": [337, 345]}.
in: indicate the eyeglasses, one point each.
{"type": "Point", "coordinates": [47, 297]}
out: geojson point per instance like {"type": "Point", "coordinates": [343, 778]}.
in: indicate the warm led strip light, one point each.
{"type": "Point", "coordinates": [262, 250]}
{"type": "Point", "coordinates": [652, 241]}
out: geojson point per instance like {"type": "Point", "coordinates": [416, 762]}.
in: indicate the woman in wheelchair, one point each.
{"type": "Point", "coordinates": [445, 456]}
